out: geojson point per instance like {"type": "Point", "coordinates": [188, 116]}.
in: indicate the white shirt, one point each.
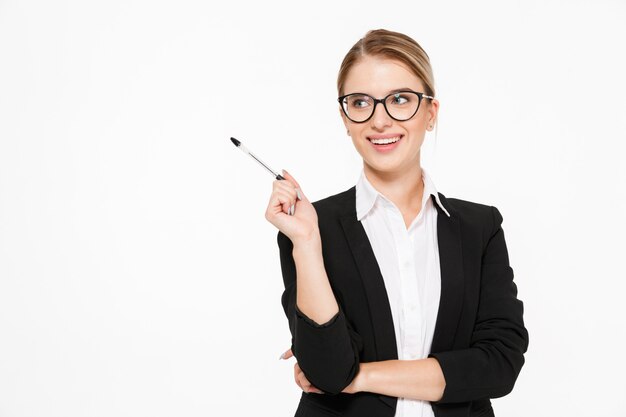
{"type": "Point", "coordinates": [409, 262]}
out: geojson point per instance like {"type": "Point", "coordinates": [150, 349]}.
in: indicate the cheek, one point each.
{"type": "Point", "coordinates": [356, 141]}
{"type": "Point", "coordinates": [359, 143]}
{"type": "Point", "coordinates": [356, 132]}
{"type": "Point", "coordinates": [416, 125]}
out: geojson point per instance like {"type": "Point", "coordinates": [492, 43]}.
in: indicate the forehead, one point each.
{"type": "Point", "coordinates": [378, 76]}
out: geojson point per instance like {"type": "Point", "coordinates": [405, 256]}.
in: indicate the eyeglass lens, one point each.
{"type": "Point", "coordinates": [400, 106]}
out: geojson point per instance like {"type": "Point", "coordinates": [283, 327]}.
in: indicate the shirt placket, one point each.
{"type": "Point", "coordinates": [410, 314]}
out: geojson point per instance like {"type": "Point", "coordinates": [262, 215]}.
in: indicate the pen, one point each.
{"type": "Point", "coordinates": [243, 148]}
{"type": "Point", "coordinates": [238, 144]}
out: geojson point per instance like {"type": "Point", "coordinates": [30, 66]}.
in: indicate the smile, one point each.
{"type": "Point", "coordinates": [385, 141]}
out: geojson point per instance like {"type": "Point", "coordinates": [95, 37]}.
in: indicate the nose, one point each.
{"type": "Point", "coordinates": [380, 119]}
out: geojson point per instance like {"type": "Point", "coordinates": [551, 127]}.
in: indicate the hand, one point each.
{"type": "Point", "coordinates": [355, 385]}
{"type": "Point", "coordinates": [306, 386]}
{"type": "Point", "coordinates": [300, 227]}
{"type": "Point", "coordinates": [299, 377]}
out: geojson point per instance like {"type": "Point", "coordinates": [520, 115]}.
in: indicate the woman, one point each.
{"type": "Point", "coordinates": [400, 301]}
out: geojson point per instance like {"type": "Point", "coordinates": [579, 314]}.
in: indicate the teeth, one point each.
{"type": "Point", "coordinates": [385, 141]}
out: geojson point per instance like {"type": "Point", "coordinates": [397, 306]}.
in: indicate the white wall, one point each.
{"type": "Point", "coordinates": [138, 275]}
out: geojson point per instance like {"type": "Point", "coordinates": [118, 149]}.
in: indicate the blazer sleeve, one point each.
{"type": "Point", "coordinates": [327, 353]}
{"type": "Point", "coordinates": [490, 366]}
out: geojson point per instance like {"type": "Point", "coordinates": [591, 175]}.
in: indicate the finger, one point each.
{"type": "Point", "coordinates": [287, 354]}
{"type": "Point", "coordinates": [291, 179]}
{"type": "Point", "coordinates": [287, 197]}
{"type": "Point", "coordinates": [288, 191]}
{"type": "Point", "coordinates": [295, 377]}
{"type": "Point", "coordinates": [306, 385]}
{"type": "Point", "coordinates": [274, 210]}
{"type": "Point", "coordinates": [279, 198]}
{"type": "Point", "coordinates": [303, 382]}
{"type": "Point", "coordinates": [289, 188]}
{"type": "Point", "coordinates": [286, 185]}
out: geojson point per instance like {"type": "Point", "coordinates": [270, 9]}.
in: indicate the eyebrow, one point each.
{"type": "Point", "coordinates": [395, 90]}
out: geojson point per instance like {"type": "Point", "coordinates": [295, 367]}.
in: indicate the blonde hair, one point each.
{"type": "Point", "coordinates": [394, 45]}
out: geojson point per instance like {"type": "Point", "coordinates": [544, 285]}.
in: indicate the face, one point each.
{"type": "Point", "coordinates": [378, 77]}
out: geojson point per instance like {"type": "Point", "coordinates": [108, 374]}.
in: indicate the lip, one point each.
{"type": "Point", "coordinates": [385, 136]}
{"type": "Point", "coordinates": [385, 148]}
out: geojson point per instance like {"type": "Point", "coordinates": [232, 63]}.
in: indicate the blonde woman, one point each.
{"type": "Point", "coordinates": [400, 300]}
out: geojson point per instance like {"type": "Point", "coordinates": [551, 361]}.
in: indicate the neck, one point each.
{"type": "Point", "coordinates": [405, 189]}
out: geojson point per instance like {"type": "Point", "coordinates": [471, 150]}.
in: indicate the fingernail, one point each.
{"type": "Point", "coordinates": [281, 356]}
{"type": "Point", "coordinates": [292, 209]}
{"type": "Point", "coordinates": [298, 194]}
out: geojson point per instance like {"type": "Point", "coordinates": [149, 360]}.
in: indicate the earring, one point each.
{"type": "Point", "coordinates": [348, 132]}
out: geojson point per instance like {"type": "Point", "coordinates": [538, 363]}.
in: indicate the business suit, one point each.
{"type": "Point", "coordinates": [479, 337]}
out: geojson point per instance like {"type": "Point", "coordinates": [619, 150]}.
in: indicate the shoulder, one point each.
{"type": "Point", "coordinates": [480, 218]}
{"type": "Point", "coordinates": [335, 211]}
{"type": "Point", "coordinates": [470, 211]}
{"type": "Point", "coordinates": [337, 205]}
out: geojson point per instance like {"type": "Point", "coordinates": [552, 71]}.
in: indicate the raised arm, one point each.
{"type": "Point", "coordinates": [325, 346]}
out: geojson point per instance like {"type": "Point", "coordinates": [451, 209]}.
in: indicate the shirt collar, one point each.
{"type": "Point", "coordinates": [366, 194]}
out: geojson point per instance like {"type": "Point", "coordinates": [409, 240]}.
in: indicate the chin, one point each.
{"type": "Point", "coordinates": [391, 167]}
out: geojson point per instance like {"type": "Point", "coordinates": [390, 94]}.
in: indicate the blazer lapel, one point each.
{"type": "Point", "coordinates": [382, 320]}
{"type": "Point", "coordinates": [374, 285]}
{"type": "Point", "coordinates": [451, 263]}
{"type": "Point", "coordinates": [452, 278]}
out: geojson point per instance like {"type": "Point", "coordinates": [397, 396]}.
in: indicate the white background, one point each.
{"type": "Point", "coordinates": [138, 275]}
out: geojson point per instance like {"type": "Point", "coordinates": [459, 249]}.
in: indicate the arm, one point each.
{"type": "Point", "coordinates": [314, 296]}
{"type": "Point", "coordinates": [490, 366]}
{"type": "Point", "coordinates": [420, 379]}
{"type": "Point", "coordinates": [329, 352]}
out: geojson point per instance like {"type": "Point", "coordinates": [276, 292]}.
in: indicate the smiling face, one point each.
{"type": "Point", "coordinates": [378, 77]}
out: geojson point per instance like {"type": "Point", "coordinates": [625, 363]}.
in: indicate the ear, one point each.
{"type": "Point", "coordinates": [433, 111]}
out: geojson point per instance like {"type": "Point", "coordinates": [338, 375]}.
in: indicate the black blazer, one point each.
{"type": "Point", "coordinates": [479, 337]}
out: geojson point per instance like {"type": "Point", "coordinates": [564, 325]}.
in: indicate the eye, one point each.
{"type": "Point", "coordinates": [358, 102]}
{"type": "Point", "coordinates": [399, 98]}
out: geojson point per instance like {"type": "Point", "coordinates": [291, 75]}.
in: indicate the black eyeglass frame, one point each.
{"type": "Point", "coordinates": [383, 100]}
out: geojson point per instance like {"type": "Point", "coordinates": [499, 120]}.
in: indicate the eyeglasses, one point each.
{"type": "Point", "coordinates": [400, 106]}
